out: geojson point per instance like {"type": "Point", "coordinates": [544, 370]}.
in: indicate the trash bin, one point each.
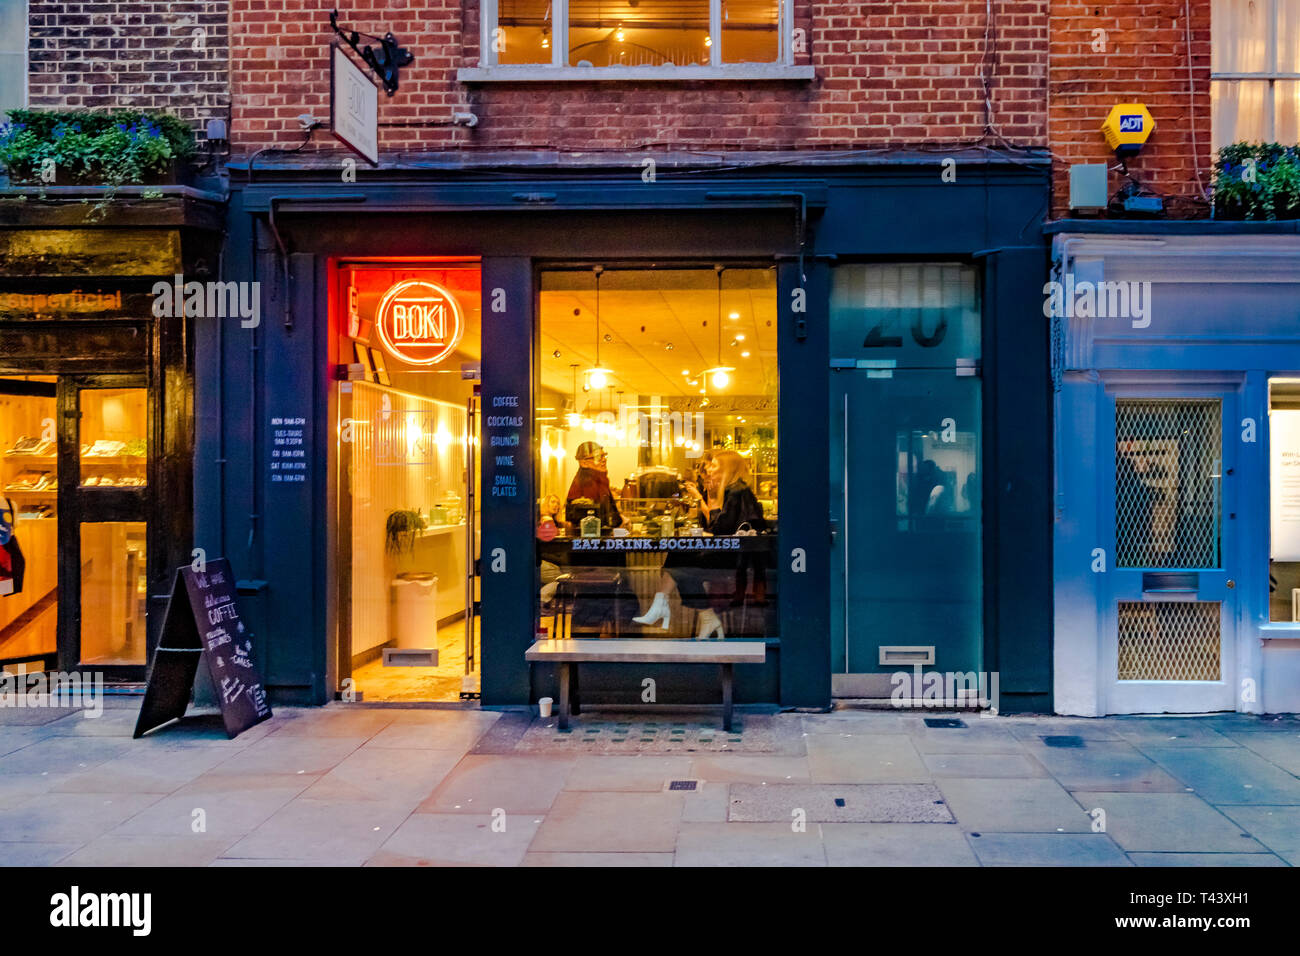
{"type": "Point", "coordinates": [414, 612]}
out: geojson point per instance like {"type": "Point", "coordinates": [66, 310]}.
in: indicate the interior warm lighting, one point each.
{"type": "Point", "coordinates": [734, 315]}
{"type": "Point", "coordinates": [720, 378]}
{"type": "Point", "coordinates": [708, 40]}
{"type": "Point", "coordinates": [740, 336]}
{"type": "Point", "coordinates": [744, 355]}
{"type": "Point", "coordinates": [618, 34]}
{"type": "Point", "coordinates": [597, 378]}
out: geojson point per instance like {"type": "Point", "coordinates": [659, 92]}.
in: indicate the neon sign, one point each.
{"type": "Point", "coordinates": [419, 322]}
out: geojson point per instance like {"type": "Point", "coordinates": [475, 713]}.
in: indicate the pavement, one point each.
{"type": "Point", "coordinates": [353, 785]}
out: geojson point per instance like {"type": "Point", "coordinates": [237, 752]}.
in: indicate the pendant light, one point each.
{"type": "Point", "coordinates": [719, 375]}
{"type": "Point", "coordinates": [598, 375]}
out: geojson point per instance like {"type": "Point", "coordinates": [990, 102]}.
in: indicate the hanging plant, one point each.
{"type": "Point", "coordinates": [400, 529]}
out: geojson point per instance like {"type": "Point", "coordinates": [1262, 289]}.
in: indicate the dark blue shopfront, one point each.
{"type": "Point", "coordinates": [899, 412]}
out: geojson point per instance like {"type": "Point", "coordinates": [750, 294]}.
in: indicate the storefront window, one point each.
{"type": "Point", "coordinates": [657, 466]}
{"type": "Point", "coordinates": [1284, 499]}
{"type": "Point", "coordinates": [113, 452]}
{"type": "Point", "coordinates": [114, 592]}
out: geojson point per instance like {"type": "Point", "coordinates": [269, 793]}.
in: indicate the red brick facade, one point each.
{"type": "Point", "coordinates": [888, 74]}
{"type": "Point", "coordinates": [1142, 56]}
{"type": "Point", "coordinates": [149, 54]}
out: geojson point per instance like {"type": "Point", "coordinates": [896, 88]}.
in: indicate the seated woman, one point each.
{"type": "Point", "coordinates": [730, 505]}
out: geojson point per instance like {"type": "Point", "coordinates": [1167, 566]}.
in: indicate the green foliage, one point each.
{"type": "Point", "coordinates": [114, 147]}
{"type": "Point", "coordinates": [1257, 181]}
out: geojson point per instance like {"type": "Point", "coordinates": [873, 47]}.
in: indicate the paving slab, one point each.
{"type": "Point", "coordinates": [1206, 859]}
{"type": "Point", "coordinates": [1170, 732]}
{"type": "Point", "coordinates": [342, 832]}
{"type": "Point", "coordinates": [1229, 775]}
{"type": "Point", "coordinates": [435, 730]}
{"type": "Point", "coordinates": [34, 854]}
{"type": "Point", "coordinates": [746, 768]}
{"type": "Point", "coordinates": [983, 765]}
{"type": "Point", "coordinates": [864, 758]}
{"type": "Point", "coordinates": [1168, 822]}
{"type": "Point", "coordinates": [985, 736]}
{"type": "Point", "coordinates": [34, 716]}
{"type": "Point", "coordinates": [339, 720]}
{"type": "Point", "coordinates": [408, 776]}
{"type": "Point", "coordinates": [111, 723]}
{"type": "Point", "coordinates": [1278, 828]}
{"type": "Point", "coordinates": [481, 783]}
{"type": "Point", "coordinates": [611, 822]}
{"type": "Point", "coordinates": [641, 772]}
{"type": "Point", "coordinates": [1103, 765]}
{"type": "Point", "coordinates": [707, 803]}
{"type": "Point", "coordinates": [748, 844]}
{"type": "Point", "coordinates": [837, 803]}
{"type": "Point", "coordinates": [637, 860]}
{"type": "Point", "coordinates": [1047, 849]}
{"type": "Point", "coordinates": [222, 805]}
{"type": "Point", "coordinates": [63, 754]}
{"type": "Point", "coordinates": [1032, 728]}
{"type": "Point", "coordinates": [858, 721]}
{"type": "Point", "coordinates": [895, 844]}
{"type": "Point", "coordinates": [70, 817]}
{"type": "Point", "coordinates": [458, 839]}
{"type": "Point", "coordinates": [1013, 805]}
{"type": "Point", "coordinates": [144, 770]}
{"type": "Point", "coordinates": [1280, 749]}
{"type": "Point", "coordinates": [290, 755]}
{"type": "Point", "coordinates": [116, 850]}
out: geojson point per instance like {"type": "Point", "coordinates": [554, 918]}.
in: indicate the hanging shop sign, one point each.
{"type": "Point", "coordinates": [419, 322]}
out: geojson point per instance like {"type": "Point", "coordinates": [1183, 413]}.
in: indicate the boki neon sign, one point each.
{"type": "Point", "coordinates": [419, 322]}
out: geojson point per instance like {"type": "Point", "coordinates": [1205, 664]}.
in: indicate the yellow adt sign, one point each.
{"type": "Point", "coordinates": [1127, 128]}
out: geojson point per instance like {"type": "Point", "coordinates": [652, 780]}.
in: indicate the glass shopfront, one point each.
{"type": "Point", "coordinates": [657, 466]}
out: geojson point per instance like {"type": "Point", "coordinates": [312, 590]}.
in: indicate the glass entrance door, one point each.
{"type": "Point", "coordinates": [103, 484]}
{"type": "Point", "coordinates": [1168, 641]}
{"type": "Point", "coordinates": [906, 486]}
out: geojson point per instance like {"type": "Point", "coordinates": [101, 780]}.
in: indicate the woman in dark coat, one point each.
{"type": "Point", "coordinates": [730, 506]}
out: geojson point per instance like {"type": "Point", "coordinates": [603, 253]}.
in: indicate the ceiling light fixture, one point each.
{"type": "Point", "coordinates": [718, 375]}
{"type": "Point", "coordinates": [598, 375]}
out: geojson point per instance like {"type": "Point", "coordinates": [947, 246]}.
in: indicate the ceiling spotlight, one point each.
{"type": "Point", "coordinates": [668, 347]}
{"type": "Point", "coordinates": [686, 371]}
{"type": "Point", "coordinates": [618, 34]}
{"type": "Point", "coordinates": [708, 40]}
{"type": "Point", "coordinates": [744, 355]}
{"type": "Point", "coordinates": [734, 315]}
{"type": "Point", "coordinates": [555, 354]}
{"type": "Point", "coordinates": [740, 336]}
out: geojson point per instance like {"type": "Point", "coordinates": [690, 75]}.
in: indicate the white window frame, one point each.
{"type": "Point", "coordinates": [27, 61]}
{"type": "Point", "coordinates": [489, 70]}
{"type": "Point", "coordinates": [1268, 77]}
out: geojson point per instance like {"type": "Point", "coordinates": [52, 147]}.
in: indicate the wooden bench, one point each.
{"type": "Point", "coordinates": [569, 653]}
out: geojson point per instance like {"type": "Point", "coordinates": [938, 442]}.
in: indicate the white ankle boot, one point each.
{"type": "Point", "coordinates": [710, 625]}
{"type": "Point", "coordinates": [658, 609]}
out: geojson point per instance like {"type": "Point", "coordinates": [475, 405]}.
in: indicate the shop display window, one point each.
{"type": "Point", "coordinates": [29, 501]}
{"type": "Point", "coordinates": [114, 592]}
{"type": "Point", "coordinates": [114, 422]}
{"type": "Point", "coordinates": [1284, 499]}
{"type": "Point", "coordinates": [658, 467]}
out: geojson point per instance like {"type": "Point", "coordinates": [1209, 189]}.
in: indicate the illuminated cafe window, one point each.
{"type": "Point", "coordinates": [1255, 71]}
{"type": "Point", "coordinates": [1284, 499]}
{"type": "Point", "coordinates": [604, 35]}
{"type": "Point", "coordinates": [657, 477]}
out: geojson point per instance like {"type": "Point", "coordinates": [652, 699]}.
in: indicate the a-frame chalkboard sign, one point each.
{"type": "Point", "coordinates": [203, 622]}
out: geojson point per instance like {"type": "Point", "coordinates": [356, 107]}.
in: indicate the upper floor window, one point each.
{"type": "Point", "coordinates": [13, 54]}
{"type": "Point", "coordinates": [636, 39]}
{"type": "Point", "coordinates": [1255, 71]}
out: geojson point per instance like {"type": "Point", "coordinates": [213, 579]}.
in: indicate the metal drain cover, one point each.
{"type": "Point", "coordinates": [1064, 741]}
{"type": "Point", "coordinates": [682, 784]}
{"type": "Point", "coordinates": [944, 722]}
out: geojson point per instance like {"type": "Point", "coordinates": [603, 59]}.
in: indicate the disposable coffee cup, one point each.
{"type": "Point", "coordinates": [544, 706]}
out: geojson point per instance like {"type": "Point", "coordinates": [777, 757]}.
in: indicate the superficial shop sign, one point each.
{"type": "Point", "coordinates": [419, 322]}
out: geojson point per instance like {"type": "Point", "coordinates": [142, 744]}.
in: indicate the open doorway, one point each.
{"type": "Point", "coordinates": [409, 337]}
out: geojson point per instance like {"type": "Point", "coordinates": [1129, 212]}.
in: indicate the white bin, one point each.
{"type": "Point", "coordinates": [414, 613]}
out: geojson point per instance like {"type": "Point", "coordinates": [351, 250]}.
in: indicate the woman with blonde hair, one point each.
{"type": "Point", "coordinates": [728, 505]}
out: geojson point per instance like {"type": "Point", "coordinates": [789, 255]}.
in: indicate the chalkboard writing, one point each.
{"type": "Point", "coordinates": [203, 621]}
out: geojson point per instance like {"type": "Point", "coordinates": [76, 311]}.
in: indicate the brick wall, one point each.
{"type": "Point", "coordinates": [1143, 57]}
{"type": "Point", "coordinates": [133, 53]}
{"type": "Point", "coordinates": [888, 74]}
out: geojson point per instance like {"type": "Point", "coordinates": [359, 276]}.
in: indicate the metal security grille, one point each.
{"type": "Point", "coordinates": [1168, 640]}
{"type": "Point", "coordinates": [1168, 458]}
